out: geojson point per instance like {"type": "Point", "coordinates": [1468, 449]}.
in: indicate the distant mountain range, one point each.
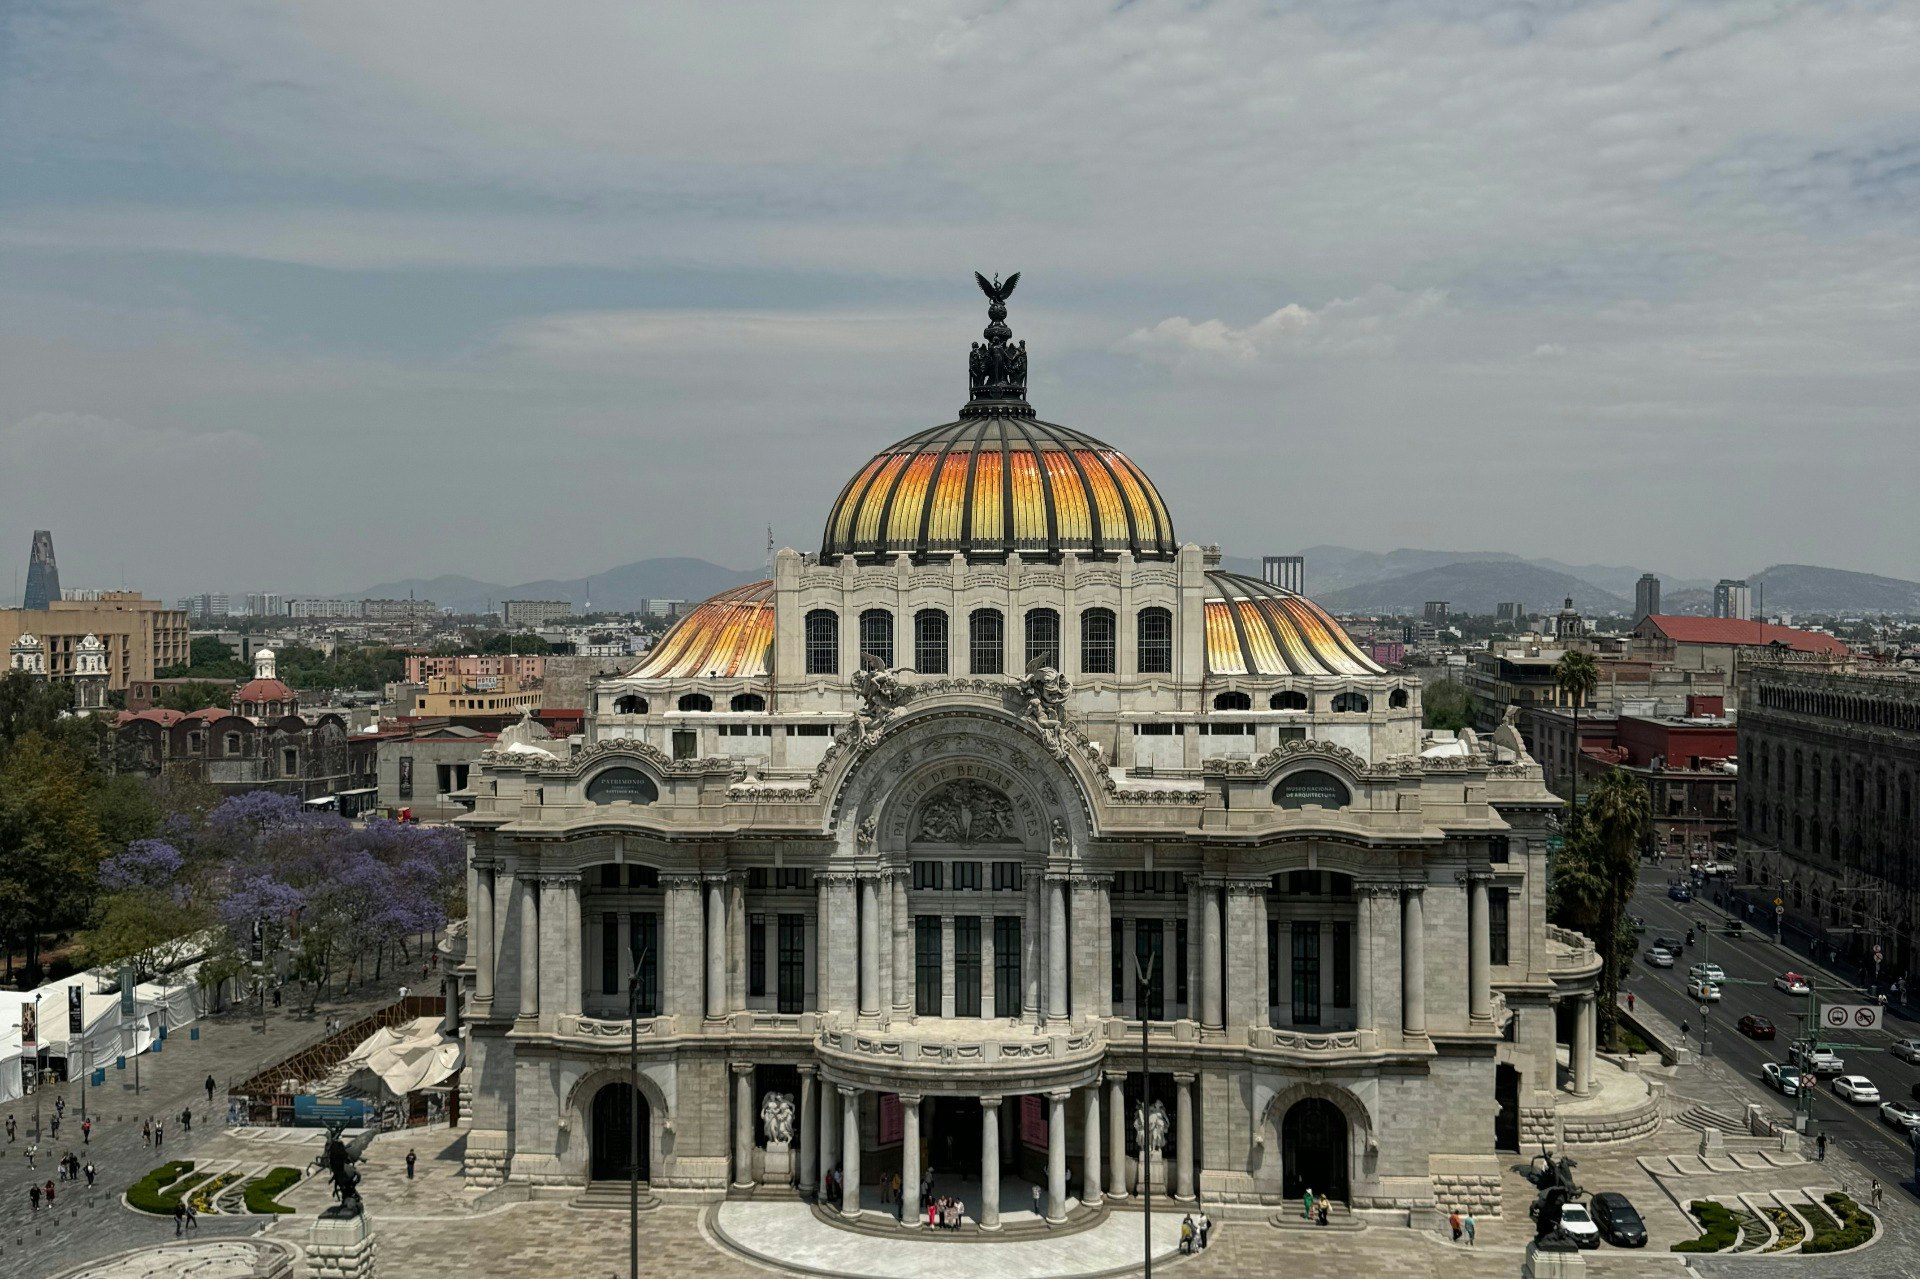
{"type": "Point", "coordinates": [1339, 577]}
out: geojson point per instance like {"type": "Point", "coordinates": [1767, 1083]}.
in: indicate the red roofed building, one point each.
{"type": "Point", "coordinates": [1687, 765]}
{"type": "Point", "coordinates": [1731, 646]}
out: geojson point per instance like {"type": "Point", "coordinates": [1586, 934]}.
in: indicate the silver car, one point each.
{"type": "Point", "coordinates": [1905, 1049]}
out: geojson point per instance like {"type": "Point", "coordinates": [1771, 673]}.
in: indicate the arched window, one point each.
{"type": "Point", "coordinates": [987, 642]}
{"type": "Point", "coordinates": [1799, 831]}
{"type": "Point", "coordinates": [823, 642]}
{"type": "Point", "coordinates": [747, 702]}
{"type": "Point", "coordinates": [1232, 701]}
{"type": "Point", "coordinates": [1099, 642]}
{"type": "Point", "coordinates": [1397, 699]}
{"type": "Point", "coordinates": [1291, 700]}
{"type": "Point", "coordinates": [1155, 649]}
{"type": "Point", "coordinates": [696, 702]}
{"type": "Point", "coordinates": [930, 641]}
{"type": "Point", "coordinates": [876, 634]}
{"type": "Point", "coordinates": [631, 704]}
{"type": "Point", "coordinates": [233, 743]}
{"type": "Point", "coordinates": [1351, 704]}
{"type": "Point", "coordinates": [1043, 637]}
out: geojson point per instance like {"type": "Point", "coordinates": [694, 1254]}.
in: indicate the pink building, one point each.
{"type": "Point", "coordinates": [525, 667]}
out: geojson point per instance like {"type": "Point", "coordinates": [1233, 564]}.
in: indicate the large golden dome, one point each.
{"type": "Point", "coordinates": [989, 487]}
{"type": "Point", "coordinates": [1256, 628]}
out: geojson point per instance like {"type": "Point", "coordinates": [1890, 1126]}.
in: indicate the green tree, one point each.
{"type": "Point", "coordinates": [125, 807]}
{"type": "Point", "coordinates": [1577, 677]}
{"type": "Point", "coordinates": [514, 642]}
{"type": "Point", "coordinates": [50, 843]}
{"type": "Point", "coordinates": [146, 926]}
{"type": "Point", "coordinates": [1595, 876]}
{"type": "Point", "coordinates": [29, 704]}
{"type": "Point", "coordinates": [207, 658]}
{"type": "Point", "coordinates": [1447, 704]}
{"type": "Point", "coordinates": [194, 696]}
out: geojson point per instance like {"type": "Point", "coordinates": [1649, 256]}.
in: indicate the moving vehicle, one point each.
{"type": "Point", "coordinates": [1734, 928]}
{"type": "Point", "coordinates": [1816, 1060]}
{"type": "Point", "coordinates": [1703, 990]}
{"type": "Point", "coordinates": [1708, 972]}
{"type": "Point", "coordinates": [1791, 982]}
{"type": "Point", "coordinates": [1782, 1077]}
{"type": "Point", "coordinates": [1680, 892]}
{"type": "Point", "coordinates": [1900, 1114]}
{"type": "Point", "coordinates": [1669, 944]}
{"type": "Point", "coordinates": [1619, 1222]}
{"type": "Point", "coordinates": [1660, 957]}
{"type": "Point", "coordinates": [1755, 1027]}
{"type": "Point", "coordinates": [1905, 1049]}
{"type": "Point", "coordinates": [1637, 922]}
{"type": "Point", "coordinates": [1857, 1089]}
{"type": "Point", "coordinates": [1577, 1222]}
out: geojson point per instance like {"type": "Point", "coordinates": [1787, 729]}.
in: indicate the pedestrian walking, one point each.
{"type": "Point", "coordinates": [1820, 1145]}
{"type": "Point", "coordinates": [146, 1132]}
{"type": "Point", "coordinates": [1306, 1204]}
{"type": "Point", "coordinates": [33, 1193]}
{"type": "Point", "coordinates": [1206, 1228]}
{"type": "Point", "coordinates": [209, 1090]}
{"type": "Point", "coordinates": [86, 1132]}
{"type": "Point", "coordinates": [1186, 1233]}
{"type": "Point", "coordinates": [1467, 1223]}
{"type": "Point", "coordinates": [193, 1216]}
{"type": "Point", "coordinates": [159, 1135]}
{"type": "Point", "coordinates": [53, 1129]}
{"type": "Point", "coordinates": [411, 1156]}
{"type": "Point", "coordinates": [91, 1172]}
{"type": "Point", "coordinates": [1453, 1223]}
{"type": "Point", "coordinates": [179, 1219]}
{"type": "Point", "coordinates": [13, 1129]}
{"type": "Point", "coordinates": [47, 1190]}
{"type": "Point", "coordinates": [186, 1119]}
{"type": "Point", "coordinates": [59, 1107]}
{"type": "Point", "coordinates": [1873, 1193]}
{"type": "Point", "coordinates": [1629, 1001]}
{"type": "Point", "coordinates": [33, 1149]}
{"type": "Point", "coordinates": [1036, 1201]}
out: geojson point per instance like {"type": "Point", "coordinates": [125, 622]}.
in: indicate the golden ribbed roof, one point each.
{"type": "Point", "coordinates": [1256, 628]}
{"type": "Point", "coordinates": [990, 487]}
{"type": "Point", "coordinates": [730, 635]}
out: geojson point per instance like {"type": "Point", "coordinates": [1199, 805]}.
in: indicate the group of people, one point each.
{"type": "Point", "coordinates": [72, 1170]}
{"type": "Point", "coordinates": [153, 1132]}
{"type": "Point", "coordinates": [185, 1217]}
{"type": "Point", "coordinates": [1462, 1226]}
{"type": "Point", "coordinates": [1318, 1210]}
{"type": "Point", "coordinates": [944, 1212]}
{"type": "Point", "coordinates": [1194, 1232]}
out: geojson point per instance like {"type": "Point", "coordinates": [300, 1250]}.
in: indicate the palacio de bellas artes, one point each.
{"type": "Point", "coordinates": [900, 856]}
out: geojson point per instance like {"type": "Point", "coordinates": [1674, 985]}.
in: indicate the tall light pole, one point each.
{"type": "Point", "coordinates": [633, 1113]}
{"type": "Point", "coordinates": [1143, 974]}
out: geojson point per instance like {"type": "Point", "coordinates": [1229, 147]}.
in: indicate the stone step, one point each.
{"type": "Point", "coordinates": [613, 1195]}
{"type": "Point", "coordinates": [1700, 1118]}
{"type": "Point", "coordinates": [1339, 1217]}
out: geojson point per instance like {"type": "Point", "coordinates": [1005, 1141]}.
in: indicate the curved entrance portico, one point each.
{"type": "Point", "coordinates": [618, 1110]}
{"type": "Point", "coordinates": [1313, 1150]}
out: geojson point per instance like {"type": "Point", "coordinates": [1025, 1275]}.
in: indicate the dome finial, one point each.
{"type": "Point", "coordinates": [997, 368]}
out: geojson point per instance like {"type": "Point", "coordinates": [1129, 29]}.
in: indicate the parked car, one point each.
{"type": "Point", "coordinates": [1782, 1077]}
{"type": "Point", "coordinates": [1900, 1114]}
{"type": "Point", "coordinates": [1816, 1060]}
{"type": "Point", "coordinates": [1703, 990]}
{"type": "Point", "coordinates": [1619, 1222]}
{"type": "Point", "coordinates": [1708, 972]}
{"type": "Point", "coordinates": [1905, 1049]}
{"type": "Point", "coordinates": [1755, 1027]}
{"type": "Point", "coordinates": [1857, 1089]}
{"type": "Point", "coordinates": [1577, 1222]}
{"type": "Point", "coordinates": [1792, 983]}
{"type": "Point", "coordinates": [1660, 957]}
{"type": "Point", "coordinates": [1680, 892]}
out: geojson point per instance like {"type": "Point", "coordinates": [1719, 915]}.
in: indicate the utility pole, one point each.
{"type": "Point", "coordinates": [633, 1113]}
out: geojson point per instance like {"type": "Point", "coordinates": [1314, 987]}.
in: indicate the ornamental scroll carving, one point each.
{"type": "Point", "coordinates": [966, 812]}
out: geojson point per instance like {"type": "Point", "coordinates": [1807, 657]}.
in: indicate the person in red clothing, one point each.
{"type": "Point", "coordinates": [47, 1190]}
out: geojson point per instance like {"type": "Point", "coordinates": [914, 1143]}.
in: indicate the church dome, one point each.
{"type": "Point", "coordinates": [999, 481]}
{"type": "Point", "coordinates": [1256, 628]}
{"type": "Point", "coordinates": [729, 636]}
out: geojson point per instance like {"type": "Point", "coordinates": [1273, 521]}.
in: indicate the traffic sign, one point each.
{"type": "Point", "coordinates": [1850, 1017]}
{"type": "Point", "coordinates": [1779, 910]}
{"type": "Point", "coordinates": [1779, 901]}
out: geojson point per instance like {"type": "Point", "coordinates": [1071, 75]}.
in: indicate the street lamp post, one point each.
{"type": "Point", "coordinates": [1143, 970]}
{"type": "Point", "coordinates": [633, 1113]}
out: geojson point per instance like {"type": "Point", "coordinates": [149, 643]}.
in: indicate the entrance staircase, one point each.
{"type": "Point", "coordinates": [1700, 1118]}
{"type": "Point", "coordinates": [1339, 1217]}
{"type": "Point", "coordinates": [614, 1195]}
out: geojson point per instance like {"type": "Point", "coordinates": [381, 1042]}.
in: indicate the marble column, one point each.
{"type": "Point", "coordinates": [902, 951]}
{"type": "Point", "coordinates": [576, 950]}
{"type": "Point", "coordinates": [553, 949]}
{"type": "Point", "coordinates": [1580, 1051]}
{"type": "Point", "coordinates": [870, 946]}
{"type": "Point", "coordinates": [843, 955]}
{"type": "Point", "coordinates": [1057, 1156]}
{"type": "Point", "coordinates": [1183, 1137]}
{"type": "Point", "coordinates": [1032, 947]}
{"type": "Point", "coordinates": [1196, 930]}
{"type": "Point", "coordinates": [480, 937]}
{"type": "Point", "coordinates": [1056, 948]}
{"type": "Point", "coordinates": [743, 1124]}
{"type": "Point", "coordinates": [529, 890]}
{"type": "Point", "coordinates": [1116, 1136]}
{"type": "Point", "coordinates": [850, 1151]}
{"type": "Point", "coordinates": [1479, 951]}
{"type": "Point", "coordinates": [822, 951]}
{"type": "Point", "coordinates": [716, 948]}
{"type": "Point", "coordinates": [809, 1133]}
{"type": "Point", "coordinates": [830, 1121]}
{"type": "Point", "coordinates": [1246, 973]}
{"type": "Point", "coordinates": [1212, 1009]}
{"type": "Point", "coordinates": [737, 942]}
{"type": "Point", "coordinates": [910, 1160]}
{"type": "Point", "coordinates": [1102, 901]}
{"type": "Point", "coordinates": [1090, 1153]}
{"type": "Point", "coordinates": [1363, 925]}
{"type": "Point", "coordinates": [1413, 964]}
{"type": "Point", "coordinates": [989, 1163]}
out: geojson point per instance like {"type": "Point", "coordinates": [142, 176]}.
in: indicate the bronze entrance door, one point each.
{"type": "Point", "coordinates": [1313, 1150]}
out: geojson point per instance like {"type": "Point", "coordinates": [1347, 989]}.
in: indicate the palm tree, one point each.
{"type": "Point", "coordinates": [1618, 815]}
{"type": "Point", "coordinates": [1577, 677]}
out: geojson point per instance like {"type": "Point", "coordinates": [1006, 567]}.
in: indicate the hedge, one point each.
{"type": "Point", "coordinates": [263, 1191]}
{"type": "Point", "coordinates": [145, 1194]}
{"type": "Point", "coordinates": [1719, 1228]}
{"type": "Point", "coordinates": [1856, 1227]}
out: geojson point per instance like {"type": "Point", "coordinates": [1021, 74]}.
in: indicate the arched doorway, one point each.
{"type": "Point", "coordinates": [1313, 1149]}
{"type": "Point", "coordinates": [617, 1109]}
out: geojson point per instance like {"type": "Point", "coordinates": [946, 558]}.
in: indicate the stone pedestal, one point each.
{"type": "Point", "coordinates": [340, 1246]}
{"type": "Point", "coordinates": [1542, 1264]}
{"type": "Point", "coordinates": [1160, 1169]}
{"type": "Point", "coordinates": [779, 1163]}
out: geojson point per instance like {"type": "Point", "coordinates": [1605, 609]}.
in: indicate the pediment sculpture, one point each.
{"type": "Point", "coordinates": [965, 812]}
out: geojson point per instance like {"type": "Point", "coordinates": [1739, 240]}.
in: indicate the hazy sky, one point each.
{"type": "Point", "coordinates": [304, 296]}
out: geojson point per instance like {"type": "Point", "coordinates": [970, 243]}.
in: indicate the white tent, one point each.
{"type": "Point", "coordinates": [11, 1053]}
{"type": "Point", "coordinates": [406, 1058]}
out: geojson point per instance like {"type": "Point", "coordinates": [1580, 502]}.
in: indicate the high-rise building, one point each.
{"type": "Point", "coordinates": [1759, 601]}
{"type": "Point", "coordinates": [1510, 611]}
{"type": "Point", "coordinates": [1437, 612]}
{"type": "Point", "coordinates": [534, 612]}
{"type": "Point", "coordinates": [139, 635]}
{"type": "Point", "coordinates": [323, 607]}
{"type": "Point", "coordinates": [1646, 596]}
{"type": "Point", "coordinates": [43, 574]}
{"type": "Point", "coordinates": [1732, 598]}
{"type": "Point", "coordinates": [205, 605]}
{"type": "Point", "coordinates": [1288, 572]}
{"type": "Point", "coordinates": [265, 604]}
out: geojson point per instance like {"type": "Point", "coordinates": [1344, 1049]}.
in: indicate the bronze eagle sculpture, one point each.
{"type": "Point", "coordinates": [996, 291]}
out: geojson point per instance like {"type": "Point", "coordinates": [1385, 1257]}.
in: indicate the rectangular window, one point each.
{"type": "Point", "coordinates": [756, 878]}
{"type": "Point", "coordinates": [793, 963]}
{"type": "Point", "coordinates": [1155, 649]}
{"type": "Point", "coordinates": [1006, 877]}
{"type": "Point", "coordinates": [610, 973]}
{"type": "Point", "coordinates": [1342, 964]}
{"type": "Point", "coordinates": [823, 642]}
{"type": "Point", "coordinates": [643, 876]}
{"type": "Point", "coordinates": [756, 954]}
{"type": "Point", "coordinates": [1306, 973]}
{"type": "Point", "coordinates": [930, 642]}
{"type": "Point", "coordinates": [966, 877]}
{"type": "Point", "coordinates": [686, 743]}
{"type": "Point", "coordinates": [1149, 952]}
{"type": "Point", "coordinates": [927, 876]}
{"type": "Point", "coordinates": [987, 641]}
{"type": "Point", "coordinates": [1043, 637]}
{"type": "Point", "coordinates": [1499, 850]}
{"type": "Point", "coordinates": [926, 965]}
{"type": "Point", "coordinates": [1117, 947]}
{"type": "Point", "coordinates": [966, 966]}
{"type": "Point", "coordinates": [1497, 916]}
{"type": "Point", "coordinates": [645, 946]}
{"type": "Point", "coordinates": [876, 634]}
{"type": "Point", "coordinates": [1273, 962]}
{"type": "Point", "coordinates": [793, 877]}
{"type": "Point", "coordinates": [1099, 641]}
{"type": "Point", "coordinates": [609, 876]}
{"type": "Point", "coordinates": [1180, 961]}
{"type": "Point", "coordinates": [1008, 996]}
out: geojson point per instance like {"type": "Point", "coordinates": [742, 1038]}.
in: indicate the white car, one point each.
{"type": "Point", "coordinates": [1660, 957]}
{"type": "Point", "coordinates": [1857, 1089]}
{"type": "Point", "coordinates": [1816, 1061]}
{"type": "Point", "coordinates": [1900, 1114]}
{"type": "Point", "coordinates": [1577, 1222]}
{"type": "Point", "coordinates": [1781, 1077]}
{"type": "Point", "coordinates": [1707, 972]}
{"type": "Point", "coordinates": [1792, 983]}
{"type": "Point", "coordinates": [1703, 990]}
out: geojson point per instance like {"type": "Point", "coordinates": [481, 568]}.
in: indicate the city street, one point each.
{"type": "Point", "coordinates": [1751, 964]}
